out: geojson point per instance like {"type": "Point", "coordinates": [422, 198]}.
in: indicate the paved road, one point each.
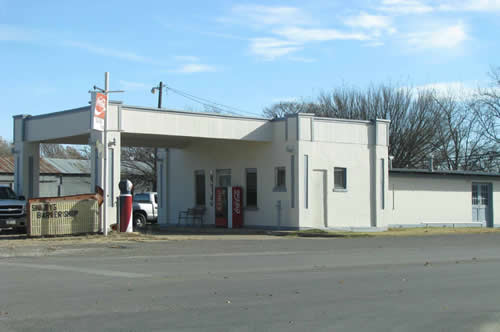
{"type": "Point", "coordinates": [438, 283]}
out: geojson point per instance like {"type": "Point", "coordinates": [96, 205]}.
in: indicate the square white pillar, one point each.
{"type": "Point", "coordinates": [26, 160]}
{"type": "Point", "coordinates": [162, 173]}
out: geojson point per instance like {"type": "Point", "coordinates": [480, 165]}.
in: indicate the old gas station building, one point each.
{"type": "Point", "coordinates": [300, 171]}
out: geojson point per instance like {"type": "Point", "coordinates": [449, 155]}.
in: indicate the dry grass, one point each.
{"type": "Point", "coordinates": [420, 231]}
{"type": "Point", "coordinates": [114, 237]}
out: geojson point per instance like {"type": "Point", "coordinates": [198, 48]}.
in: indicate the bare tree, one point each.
{"type": "Point", "coordinates": [62, 151]}
{"type": "Point", "coordinates": [138, 166]}
{"type": "Point", "coordinates": [5, 148]}
{"type": "Point", "coordinates": [487, 107]}
{"type": "Point", "coordinates": [412, 114]}
{"type": "Point", "coordinates": [281, 109]}
{"type": "Point", "coordinates": [422, 123]}
{"type": "Point", "coordinates": [460, 144]}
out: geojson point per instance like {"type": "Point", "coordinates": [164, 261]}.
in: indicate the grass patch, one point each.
{"type": "Point", "coordinates": [323, 233]}
{"type": "Point", "coordinates": [418, 231]}
{"type": "Point", "coordinates": [424, 231]}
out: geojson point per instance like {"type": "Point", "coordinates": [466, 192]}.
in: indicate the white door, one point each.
{"type": "Point", "coordinates": [318, 202]}
{"type": "Point", "coordinates": [480, 203]}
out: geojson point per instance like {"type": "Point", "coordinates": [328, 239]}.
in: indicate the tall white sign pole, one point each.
{"type": "Point", "coordinates": [99, 121]}
{"type": "Point", "coordinates": [105, 152]}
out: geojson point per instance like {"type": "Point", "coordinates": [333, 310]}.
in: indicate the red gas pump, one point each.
{"type": "Point", "coordinates": [126, 206]}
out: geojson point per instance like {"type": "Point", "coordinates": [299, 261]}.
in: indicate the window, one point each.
{"type": "Point", "coordinates": [7, 193]}
{"type": "Point", "coordinates": [142, 198]}
{"type": "Point", "coordinates": [199, 180]}
{"type": "Point", "coordinates": [339, 178]}
{"type": "Point", "coordinates": [251, 188]}
{"type": "Point", "coordinates": [223, 177]}
{"type": "Point", "coordinates": [280, 179]}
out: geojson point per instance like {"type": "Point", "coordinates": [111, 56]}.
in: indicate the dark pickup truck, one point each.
{"type": "Point", "coordinates": [12, 209]}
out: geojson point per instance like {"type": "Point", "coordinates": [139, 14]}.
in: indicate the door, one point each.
{"type": "Point", "coordinates": [481, 197]}
{"type": "Point", "coordinates": [318, 203]}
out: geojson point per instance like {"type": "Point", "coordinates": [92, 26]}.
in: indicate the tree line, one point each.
{"type": "Point", "coordinates": [459, 131]}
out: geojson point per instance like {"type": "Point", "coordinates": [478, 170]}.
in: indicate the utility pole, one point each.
{"type": "Point", "coordinates": [160, 92]}
{"type": "Point", "coordinates": [160, 95]}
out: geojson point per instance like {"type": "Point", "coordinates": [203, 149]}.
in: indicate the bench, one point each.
{"type": "Point", "coordinates": [193, 214]}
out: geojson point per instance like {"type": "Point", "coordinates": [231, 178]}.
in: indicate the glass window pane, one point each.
{"type": "Point", "coordinates": [280, 177]}
{"type": "Point", "coordinates": [223, 177]}
{"type": "Point", "coordinates": [141, 198]}
{"type": "Point", "coordinates": [474, 194]}
{"type": "Point", "coordinates": [200, 187]}
{"type": "Point", "coordinates": [339, 178]}
{"type": "Point", "coordinates": [251, 187]}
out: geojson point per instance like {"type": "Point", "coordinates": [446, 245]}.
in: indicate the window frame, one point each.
{"type": "Point", "coordinates": [344, 178]}
{"type": "Point", "coordinates": [279, 187]}
{"type": "Point", "coordinates": [197, 173]}
{"type": "Point", "coordinates": [221, 173]}
{"type": "Point", "coordinates": [247, 205]}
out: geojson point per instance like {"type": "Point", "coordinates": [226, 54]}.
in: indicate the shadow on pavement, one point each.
{"type": "Point", "coordinates": [12, 234]}
{"type": "Point", "coordinates": [153, 229]}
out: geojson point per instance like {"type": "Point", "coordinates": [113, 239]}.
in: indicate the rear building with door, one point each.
{"type": "Point", "coordinates": [447, 198]}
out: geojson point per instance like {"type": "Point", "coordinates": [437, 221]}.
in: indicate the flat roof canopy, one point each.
{"type": "Point", "coordinates": [148, 127]}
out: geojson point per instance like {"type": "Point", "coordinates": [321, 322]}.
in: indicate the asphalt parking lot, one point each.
{"type": "Point", "coordinates": [255, 283]}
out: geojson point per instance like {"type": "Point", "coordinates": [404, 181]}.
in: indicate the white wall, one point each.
{"type": "Point", "coordinates": [185, 124]}
{"type": "Point", "coordinates": [415, 199]}
{"type": "Point", "coordinates": [356, 146]}
{"type": "Point", "coordinates": [69, 123]}
{"type": "Point", "coordinates": [210, 155]}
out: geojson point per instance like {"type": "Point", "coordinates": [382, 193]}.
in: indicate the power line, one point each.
{"type": "Point", "coordinates": [210, 103]}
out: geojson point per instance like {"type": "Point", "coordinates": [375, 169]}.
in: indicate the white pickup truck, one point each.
{"type": "Point", "coordinates": [12, 209]}
{"type": "Point", "coordinates": [145, 208]}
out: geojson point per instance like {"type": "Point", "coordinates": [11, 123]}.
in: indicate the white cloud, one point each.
{"type": "Point", "coordinates": [128, 85]}
{"type": "Point", "coordinates": [304, 35]}
{"type": "Point", "coordinates": [110, 52]}
{"type": "Point", "coordinates": [404, 7]}
{"type": "Point", "coordinates": [272, 48]}
{"type": "Point", "coordinates": [195, 68]}
{"type": "Point", "coordinates": [444, 37]}
{"type": "Point", "coordinates": [444, 89]}
{"type": "Point", "coordinates": [285, 100]}
{"type": "Point", "coordinates": [471, 5]}
{"type": "Point", "coordinates": [367, 21]}
{"type": "Point", "coordinates": [258, 15]}
{"type": "Point", "coordinates": [187, 58]}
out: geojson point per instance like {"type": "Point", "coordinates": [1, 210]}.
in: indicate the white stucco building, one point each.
{"type": "Point", "coordinates": [300, 171]}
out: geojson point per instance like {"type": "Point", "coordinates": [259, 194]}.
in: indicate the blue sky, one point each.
{"type": "Point", "coordinates": [244, 54]}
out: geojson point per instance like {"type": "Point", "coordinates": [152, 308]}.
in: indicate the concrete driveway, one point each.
{"type": "Point", "coordinates": [437, 283]}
